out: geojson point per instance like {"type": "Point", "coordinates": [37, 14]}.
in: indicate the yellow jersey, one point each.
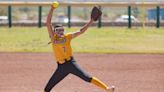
{"type": "Point", "coordinates": [62, 47]}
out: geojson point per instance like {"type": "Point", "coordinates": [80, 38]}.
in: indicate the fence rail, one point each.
{"type": "Point", "coordinates": [88, 4]}
{"type": "Point", "coordinates": [85, 4]}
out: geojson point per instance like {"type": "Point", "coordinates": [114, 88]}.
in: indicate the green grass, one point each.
{"type": "Point", "coordinates": [103, 40]}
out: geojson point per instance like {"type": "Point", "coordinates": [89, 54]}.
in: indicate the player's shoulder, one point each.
{"type": "Point", "coordinates": [68, 35]}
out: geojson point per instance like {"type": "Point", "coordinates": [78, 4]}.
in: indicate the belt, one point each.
{"type": "Point", "coordinates": [65, 60]}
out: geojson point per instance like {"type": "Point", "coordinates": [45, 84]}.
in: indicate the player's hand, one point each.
{"type": "Point", "coordinates": [92, 20]}
{"type": "Point", "coordinates": [52, 7]}
{"type": "Point", "coordinates": [55, 4]}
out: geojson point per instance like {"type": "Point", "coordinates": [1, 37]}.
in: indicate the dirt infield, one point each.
{"type": "Point", "coordinates": [29, 72]}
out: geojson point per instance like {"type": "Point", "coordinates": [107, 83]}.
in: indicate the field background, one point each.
{"type": "Point", "coordinates": [29, 72]}
{"type": "Point", "coordinates": [130, 59]}
{"type": "Point", "coordinates": [27, 61]}
{"type": "Point", "coordinates": [103, 40]}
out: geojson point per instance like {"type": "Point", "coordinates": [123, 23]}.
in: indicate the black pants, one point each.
{"type": "Point", "coordinates": [63, 70]}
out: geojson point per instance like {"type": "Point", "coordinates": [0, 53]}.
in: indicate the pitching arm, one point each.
{"type": "Point", "coordinates": [48, 22]}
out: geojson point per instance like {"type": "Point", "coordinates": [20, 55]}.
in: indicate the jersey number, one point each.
{"type": "Point", "coordinates": [64, 48]}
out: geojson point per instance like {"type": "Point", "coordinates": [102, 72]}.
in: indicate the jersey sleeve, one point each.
{"type": "Point", "coordinates": [54, 37]}
{"type": "Point", "coordinates": [69, 36]}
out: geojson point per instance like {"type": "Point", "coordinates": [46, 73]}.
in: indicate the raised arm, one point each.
{"type": "Point", "coordinates": [83, 29]}
{"type": "Point", "coordinates": [48, 22]}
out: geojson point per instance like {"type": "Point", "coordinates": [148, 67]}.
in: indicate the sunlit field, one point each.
{"type": "Point", "coordinates": [95, 40]}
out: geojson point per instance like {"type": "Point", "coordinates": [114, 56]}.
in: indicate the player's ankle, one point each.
{"type": "Point", "coordinates": [110, 89]}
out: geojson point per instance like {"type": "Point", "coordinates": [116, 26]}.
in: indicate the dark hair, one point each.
{"type": "Point", "coordinates": [57, 25]}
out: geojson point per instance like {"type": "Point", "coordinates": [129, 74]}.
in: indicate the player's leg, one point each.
{"type": "Point", "coordinates": [58, 75]}
{"type": "Point", "coordinates": [102, 85]}
{"type": "Point", "coordinates": [77, 70]}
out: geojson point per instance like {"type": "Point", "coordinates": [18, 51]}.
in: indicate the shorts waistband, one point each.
{"type": "Point", "coordinates": [71, 58]}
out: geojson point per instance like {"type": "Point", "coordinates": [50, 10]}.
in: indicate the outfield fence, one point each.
{"type": "Point", "coordinates": [69, 6]}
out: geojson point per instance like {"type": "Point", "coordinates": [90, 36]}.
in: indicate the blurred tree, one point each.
{"type": "Point", "coordinates": [135, 11]}
{"type": "Point", "coordinates": [85, 13]}
{"type": "Point", "coordinates": [24, 9]}
{"type": "Point", "coordinates": [3, 11]}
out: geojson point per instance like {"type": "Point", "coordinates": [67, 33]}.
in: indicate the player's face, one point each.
{"type": "Point", "coordinates": [59, 31]}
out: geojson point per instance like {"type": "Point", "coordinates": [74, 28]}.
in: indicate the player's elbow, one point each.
{"type": "Point", "coordinates": [82, 31]}
{"type": "Point", "coordinates": [48, 24]}
{"type": "Point", "coordinates": [48, 21]}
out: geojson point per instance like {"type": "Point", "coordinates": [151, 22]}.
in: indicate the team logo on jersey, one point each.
{"type": "Point", "coordinates": [59, 41]}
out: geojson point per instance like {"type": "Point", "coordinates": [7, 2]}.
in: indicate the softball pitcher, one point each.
{"type": "Point", "coordinates": [66, 64]}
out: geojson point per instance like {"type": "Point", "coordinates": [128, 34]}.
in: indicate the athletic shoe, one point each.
{"type": "Point", "coordinates": [111, 89]}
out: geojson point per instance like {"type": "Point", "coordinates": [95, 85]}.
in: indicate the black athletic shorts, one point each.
{"type": "Point", "coordinates": [63, 70]}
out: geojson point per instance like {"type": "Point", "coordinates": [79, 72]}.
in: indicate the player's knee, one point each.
{"type": "Point", "coordinates": [88, 79]}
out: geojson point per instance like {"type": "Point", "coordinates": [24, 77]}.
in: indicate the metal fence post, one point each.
{"type": "Point", "coordinates": [10, 16]}
{"type": "Point", "coordinates": [158, 17]}
{"type": "Point", "coordinates": [40, 17]}
{"type": "Point", "coordinates": [129, 18]}
{"type": "Point", "coordinates": [69, 16]}
{"type": "Point", "coordinates": [99, 21]}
